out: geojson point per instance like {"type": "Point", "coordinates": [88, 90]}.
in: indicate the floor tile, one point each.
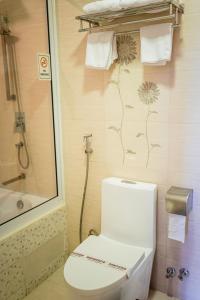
{"type": "Point", "coordinates": [55, 288]}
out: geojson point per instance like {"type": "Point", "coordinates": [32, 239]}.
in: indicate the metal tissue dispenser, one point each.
{"type": "Point", "coordinates": [179, 201]}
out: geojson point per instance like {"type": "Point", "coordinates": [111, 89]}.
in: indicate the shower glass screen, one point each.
{"type": "Point", "coordinates": [27, 145]}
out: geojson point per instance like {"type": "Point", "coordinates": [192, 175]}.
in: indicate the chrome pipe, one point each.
{"type": "Point", "coordinates": [14, 179]}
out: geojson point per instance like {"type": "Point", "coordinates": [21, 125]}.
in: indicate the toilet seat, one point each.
{"type": "Point", "coordinates": [100, 262]}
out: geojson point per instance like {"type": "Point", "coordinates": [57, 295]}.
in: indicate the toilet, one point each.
{"type": "Point", "coordinates": [117, 264]}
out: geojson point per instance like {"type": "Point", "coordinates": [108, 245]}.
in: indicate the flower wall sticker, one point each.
{"type": "Point", "coordinates": [126, 48]}
{"type": "Point", "coordinates": [149, 94]}
{"type": "Point", "coordinates": [119, 130]}
{"type": "Point", "coordinates": [129, 151]}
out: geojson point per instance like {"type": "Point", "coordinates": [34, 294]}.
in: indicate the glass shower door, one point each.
{"type": "Point", "coordinates": [27, 148]}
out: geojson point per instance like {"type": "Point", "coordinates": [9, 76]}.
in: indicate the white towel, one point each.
{"type": "Point", "coordinates": [113, 5]}
{"type": "Point", "coordinates": [101, 6]}
{"type": "Point", "coordinates": [135, 3]}
{"type": "Point", "coordinates": [156, 44]}
{"type": "Point", "coordinates": [101, 50]}
{"type": "Point", "coordinates": [125, 4]}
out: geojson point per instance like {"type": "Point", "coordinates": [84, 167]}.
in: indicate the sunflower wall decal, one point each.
{"type": "Point", "coordinates": [119, 130]}
{"type": "Point", "coordinates": [126, 48]}
{"type": "Point", "coordinates": [149, 94]}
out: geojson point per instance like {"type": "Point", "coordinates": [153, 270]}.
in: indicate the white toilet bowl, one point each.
{"type": "Point", "coordinates": [117, 264]}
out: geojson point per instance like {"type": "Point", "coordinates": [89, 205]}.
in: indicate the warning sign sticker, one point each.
{"type": "Point", "coordinates": [44, 66]}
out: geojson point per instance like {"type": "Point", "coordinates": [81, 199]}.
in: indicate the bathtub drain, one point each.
{"type": "Point", "coordinates": [20, 204]}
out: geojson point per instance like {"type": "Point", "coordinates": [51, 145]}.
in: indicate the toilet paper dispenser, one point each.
{"type": "Point", "coordinates": [179, 201]}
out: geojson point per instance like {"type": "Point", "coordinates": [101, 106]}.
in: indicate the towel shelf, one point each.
{"type": "Point", "coordinates": [162, 11]}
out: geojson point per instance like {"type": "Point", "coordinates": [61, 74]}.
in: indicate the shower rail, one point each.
{"type": "Point", "coordinates": [5, 36]}
{"type": "Point", "coordinates": [14, 179]}
{"type": "Point", "coordinates": [11, 83]}
{"type": "Point", "coordinates": [9, 94]}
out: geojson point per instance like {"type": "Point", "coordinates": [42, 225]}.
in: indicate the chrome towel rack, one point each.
{"type": "Point", "coordinates": [166, 10]}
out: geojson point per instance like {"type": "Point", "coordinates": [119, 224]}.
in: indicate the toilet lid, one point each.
{"type": "Point", "coordinates": [100, 262]}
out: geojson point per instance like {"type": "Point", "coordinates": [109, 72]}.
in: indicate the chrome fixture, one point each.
{"type": "Point", "coordinates": [179, 200]}
{"type": "Point", "coordinates": [20, 122]}
{"type": "Point", "coordinates": [14, 179]}
{"type": "Point", "coordinates": [19, 145]}
{"type": "Point", "coordinates": [4, 25]}
{"type": "Point", "coordinates": [183, 274]}
{"type": "Point", "coordinates": [7, 61]}
{"type": "Point", "coordinates": [20, 204]}
{"type": "Point", "coordinates": [93, 232]}
{"type": "Point", "coordinates": [115, 19]}
{"type": "Point", "coordinates": [87, 139]}
{"type": "Point", "coordinates": [170, 272]}
{"type": "Point", "coordinates": [88, 151]}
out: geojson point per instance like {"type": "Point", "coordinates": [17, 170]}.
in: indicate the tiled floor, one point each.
{"type": "Point", "coordinates": [55, 288]}
{"type": "Point", "coordinates": [155, 295]}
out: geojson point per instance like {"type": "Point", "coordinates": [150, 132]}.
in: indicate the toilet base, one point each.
{"type": "Point", "coordinates": [137, 287]}
{"type": "Point", "coordinates": [107, 295]}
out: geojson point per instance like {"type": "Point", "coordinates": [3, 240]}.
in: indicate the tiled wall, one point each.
{"type": "Point", "coordinates": [29, 256]}
{"type": "Point", "coordinates": [91, 104]}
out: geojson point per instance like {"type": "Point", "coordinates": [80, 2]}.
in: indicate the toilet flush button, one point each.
{"type": "Point", "coordinates": [128, 181]}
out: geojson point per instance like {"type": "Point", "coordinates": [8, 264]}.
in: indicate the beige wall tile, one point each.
{"type": "Point", "coordinates": [90, 101]}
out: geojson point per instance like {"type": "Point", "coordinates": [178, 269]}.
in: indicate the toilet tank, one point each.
{"type": "Point", "coordinates": [128, 212]}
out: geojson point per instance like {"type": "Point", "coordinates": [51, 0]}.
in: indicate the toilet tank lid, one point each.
{"type": "Point", "coordinates": [131, 184]}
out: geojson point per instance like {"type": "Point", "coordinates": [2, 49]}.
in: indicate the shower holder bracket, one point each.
{"type": "Point", "coordinates": [20, 126]}
{"type": "Point", "coordinates": [12, 97]}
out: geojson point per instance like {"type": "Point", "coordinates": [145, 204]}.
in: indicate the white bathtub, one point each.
{"type": "Point", "coordinates": [9, 200]}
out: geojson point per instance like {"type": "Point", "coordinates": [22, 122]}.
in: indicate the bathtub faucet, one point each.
{"type": "Point", "coordinates": [14, 179]}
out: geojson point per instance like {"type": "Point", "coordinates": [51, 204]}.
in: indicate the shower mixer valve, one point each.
{"type": "Point", "coordinates": [20, 122]}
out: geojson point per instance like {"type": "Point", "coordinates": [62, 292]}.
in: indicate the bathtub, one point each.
{"type": "Point", "coordinates": [13, 204]}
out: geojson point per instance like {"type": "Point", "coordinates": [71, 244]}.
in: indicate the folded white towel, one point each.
{"type": "Point", "coordinates": [113, 5]}
{"type": "Point", "coordinates": [156, 43]}
{"type": "Point", "coordinates": [135, 3]}
{"type": "Point", "coordinates": [101, 6]}
{"type": "Point", "coordinates": [101, 50]}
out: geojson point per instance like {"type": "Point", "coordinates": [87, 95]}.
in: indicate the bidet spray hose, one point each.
{"type": "Point", "coordinates": [88, 151]}
{"type": "Point", "coordinates": [83, 199]}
